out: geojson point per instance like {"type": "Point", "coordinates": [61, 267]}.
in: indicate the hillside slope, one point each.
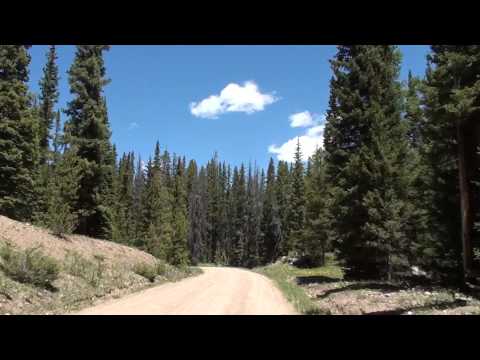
{"type": "Point", "coordinates": [27, 236]}
{"type": "Point", "coordinates": [88, 270]}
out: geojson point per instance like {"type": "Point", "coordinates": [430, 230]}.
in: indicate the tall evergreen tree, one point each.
{"type": "Point", "coordinates": [48, 98]}
{"type": "Point", "coordinates": [89, 131]}
{"type": "Point", "coordinates": [315, 239]}
{"type": "Point", "coordinates": [123, 224]}
{"type": "Point", "coordinates": [138, 189]}
{"type": "Point", "coordinates": [19, 149]}
{"type": "Point", "coordinates": [251, 255]}
{"type": "Point", "coordinates": [271, 223]}
{"type": "Point", "coordinates": [366, 152]}
{"type": "Point", "coordinates": [413, 110]}
{"type": "Point", "coordinates": [157, 204]}
{"type": "Point", "coordinates": [57, 141]}
{"type": "Point", "coordinates": [283, 194]}
{"type": "Point", "coordinates": [239, 217]}
{"type": "Point", "coordinates": [214, 199]}
{"type": "Point", "coordinates": [197, 214]}
{"type": "Point", "coordinates": [296, 215]}
{"type": "Point", "coordinates": [451, 135]}
{"type": "Point", "coordinates": [62, 193]}
{"type": "Point", "coordinates": [178, 254]}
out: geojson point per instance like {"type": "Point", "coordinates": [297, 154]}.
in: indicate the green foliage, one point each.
{"type": "Point", "coordinates": [271, 222]}
{"type": "Point", "coordinates": [62, 190]}
{"type": "Point", "coordinates": [178, 254]}
{"type": "Point", "coordinates": [296, 215]}
{"type": "Point", "coordinates": [368, 160]}
{"type": "Point", "coordinates": [88, 130]}
{"type": "Point", "coordinates": [150, 272]}
{"type": "Point", "coordinates": [92, 271]}
{"type": "Point", "coordinates": [451, 95]}
{"type": "Point", "coordinates": [315, 240]}
{"type": "Point", "coordinates": [29, 266]}
{"type": "Point", "coordinates": [123, 220]}
{"type": "Point", "coordinates": [48, 98]}
{"type": "Point", "coordinates": [157, 202]}
{"type": "Point", "coordinates": [19, 151]}
{"type": "Point", "coordinates": [147, 271]}
{"type": "Point", "coordinates": [283, 195]}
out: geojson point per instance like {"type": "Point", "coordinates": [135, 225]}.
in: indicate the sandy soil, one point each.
{"type": "Point", "coordinates": [25, 236]}
{"type": "Point", "coordinates": [218, 291]}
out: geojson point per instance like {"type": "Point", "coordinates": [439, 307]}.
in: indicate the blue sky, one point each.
{"type": "Point", "coordinates": [157, 92]}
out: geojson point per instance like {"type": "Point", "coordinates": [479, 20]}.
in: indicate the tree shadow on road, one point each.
{"type": "Point", "coordinates": [382, 287]}
{"type": "Point", "coordinates": [305, 280]}
{"type": "Point", "coordinates": [437, 306]}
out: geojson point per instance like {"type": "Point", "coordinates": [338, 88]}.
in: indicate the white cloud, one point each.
{"type": "Point", "coordinates": [316, 130]}
{"type": "Point", "coordinates": [233, 98]}
{"type": "Point", "coordinates": [309, 142]}
{"type": "Point", "coordinates": [301, 119]}
{"type": "Point", "coordinates": [133, 125]}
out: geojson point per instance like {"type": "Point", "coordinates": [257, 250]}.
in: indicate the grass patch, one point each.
{"type": "Point", "coordinates": [286, 277]}
{"type": "Point", "coordinates": [208, 265]}
{"type": "Point", "coordinates": [29, 266]}
{"type": "Point", "coordinates": [162, 269]}
{"type": "Point", "coordinates": [91, 271]}
{"type": "Point", "coordinates": [148, 271]}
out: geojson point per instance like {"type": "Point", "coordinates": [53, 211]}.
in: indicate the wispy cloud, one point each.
{"type": "Point", "coordinates": [233, 98]}
{"type": "Point", "coordinates": [301, 119]}
{"type": "Point", "coordinates": [133, 125]}
{"type": "Point", "coordinates": [310, 141]}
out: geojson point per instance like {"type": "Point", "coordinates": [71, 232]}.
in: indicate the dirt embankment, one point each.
{"type": "Point", "coordinates": [89, 271]}
{"type": "Point", "coordinates": [26, 236]}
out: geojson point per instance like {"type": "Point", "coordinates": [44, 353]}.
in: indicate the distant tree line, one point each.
{"type": "Point", "coordinates": [395, 185]}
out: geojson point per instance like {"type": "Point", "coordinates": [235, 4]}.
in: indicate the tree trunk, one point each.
{"type": "Point", "coordinates": [465, 199]}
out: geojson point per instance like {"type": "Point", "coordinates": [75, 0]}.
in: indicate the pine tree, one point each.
{"type": "Point", "coordinates": [251, 254]}
{"type": "Point", "coordinates": [282, 195]}
{"type": "Point", "coordinates": [271, 224]}
{"type": "Point", "coordinates": [214, 199]}
{"type": "Point", "coordinates": [57, 141]}
{"type": "Point", "coordinates": [222, 215]}
{"type": "Point", "coordinates": [138, 206]}
{"type": "Point", "coordinates": [48, 98]}
{"type": "Point", "coordinates": [239, 217]}
{"type": "Point", "coordinates": [88, 130]}
{"type": "Point", "coordinates": [178, 254]}
{"type": "Point", "coordinates": [62, 189]}
{"type": "Point", "coordinates": [315, 238]}
{"type": "Point", "coordinates": [366, 155]}
{"type": "Point", "coordinates": [296, 215]}
{"type": "Point", "coordinates": [192, 173]}
{"type": "Point", "coordinates": [19, 150]}
{"type": "Point", "coordinates": [123, 223]}
{"type": "Point", "coordinates": [413, 111]}
{"type": "Point", "coordinates": [197, 213]}
{"type": "Point", "coordinates": [158, 210]}
{"type": "Point", "coordinates": [451, 136]}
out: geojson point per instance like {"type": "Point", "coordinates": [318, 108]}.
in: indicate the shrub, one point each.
{"type": "Point", "coordinates": [29, 266]}
{"type": "Point", "coordinates": [91, 271]}
{"type": "Point", "coordinates": [161, 268]}
{"type": "Point", "coordinates": [147, 271]}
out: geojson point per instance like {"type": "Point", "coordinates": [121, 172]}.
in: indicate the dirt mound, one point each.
{"type": "Point", "coordinates": [24, 236]}
{"type": "Point", "coordinates": [89, 271]}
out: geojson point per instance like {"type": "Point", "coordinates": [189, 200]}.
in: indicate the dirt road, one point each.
{"type": "Point", "coordinates": [218, 291]}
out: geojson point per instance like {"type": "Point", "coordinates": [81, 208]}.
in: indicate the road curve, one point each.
{"type": "Point", "coordinates": [218, 291]}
